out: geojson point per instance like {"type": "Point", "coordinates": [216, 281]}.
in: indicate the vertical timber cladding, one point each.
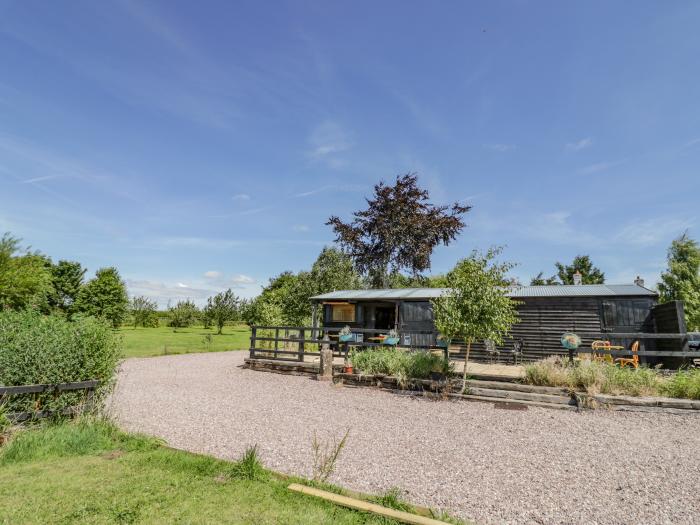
{"type": "Point", "coordinates": [544, 319]}
{"type": "Point", "coordinates": [417, 316]}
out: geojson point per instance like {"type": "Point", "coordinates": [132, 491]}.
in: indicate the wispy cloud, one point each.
{"type": "Point", "coordinates": [241, 280]}
{"type": "Point", "coordinates": [598, 167]}
{"type": "Point", "coordinates": [41, 179]}
{"type": "Point", "coordinates": [501, 148]}
{"type": "Point", "coordinates": [196, 242]}
{"type": "Point", "coordinates": [212, 274]}
{"type": "Point", "coordinates": [162, 292]}
{"type": "Point", "coordinates": [327, 141]}
{"type": "Point", "coordinates": [660, 230]}
{"type": "Point", "coordinates": [300, 228]}
{"type": "Point", "coordinates": [579, 144]}
{"type": "Point", "coordinates": [241, 197]}
{"type": "Point", "coordinates": [692, 143]}
{"type": "Point", "coordinates": [331, 187]}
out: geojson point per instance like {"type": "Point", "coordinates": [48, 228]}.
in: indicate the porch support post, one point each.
{"type": "Point", "coordinates": [314, 320]}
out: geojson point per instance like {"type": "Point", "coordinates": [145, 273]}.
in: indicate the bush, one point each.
{"type": "Point", "coordinates": [38, 349]}
{"type": "Point", "coordinates": [183, 314]}
{"type": "Point", "coordinates": [399, 364]}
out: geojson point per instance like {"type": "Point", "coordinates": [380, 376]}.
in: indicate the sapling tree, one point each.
{"type": "Point", "coordinates": [221, 308]}
{"type": "Point", "coordinates": [681, 281]}
{"type": "Point", "coordinates": [475, 306]}
{"type": "Point", "coordinates": [144, 311]}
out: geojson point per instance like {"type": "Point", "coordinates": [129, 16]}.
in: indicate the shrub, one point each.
{"type": "Point", "coordinates": [38, 349]}
{"type": "Point", "coordinates": [183, 314]}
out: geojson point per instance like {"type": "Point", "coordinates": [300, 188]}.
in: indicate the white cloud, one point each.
{"type": "Point", "coordinates": [652, 231]}
{"type": "Point", "coordinates": [182, 285]}
{"type": "Point", "coordinates": [579, 144]}
{"type": "Point", "coordinates": [691, 143]}
{"type": "Point", "coordinates": [241, 279]}
{"type": "Point", "coordinates": [300, 228]}
{"type": "Point", "coordinates": [212, 274]}
{"type": "Point", "coordinates": [501, 148]}
{"type": "Point", "coordinates": [241, 197]}
{"type": "Point", "coordinates": [334, 187]}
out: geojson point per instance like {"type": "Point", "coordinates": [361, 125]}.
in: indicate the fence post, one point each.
{"type": "Point", "coordinates": [253, 331]}
{"type": "Point", "coordinates": [301, 345]}
{"type": "Point", "coordinates": [326, 361]}
{"type": "Point", "coordinates": [277, 337]}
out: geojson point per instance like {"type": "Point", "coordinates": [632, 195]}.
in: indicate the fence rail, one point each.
{"type": "Point", "coordinates": [293, 343]}
{"type": "Point", "coordinates": [7, 391]}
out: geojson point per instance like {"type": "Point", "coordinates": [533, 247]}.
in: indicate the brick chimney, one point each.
{"type": "Point", "coordinates": [578, 277]}
{"type": "Point", "coordinates": [639, 281]}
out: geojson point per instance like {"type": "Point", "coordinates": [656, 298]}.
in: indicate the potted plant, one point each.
{"type": "Point", "coordinates": [345, 335]}
{"type": "Point", "coordinates": [347, 368]}
{"type": "Point", "coordinates": [392, 338]}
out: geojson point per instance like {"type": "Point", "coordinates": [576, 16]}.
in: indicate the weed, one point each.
{"type": "Point", "coordinates": [326, 456]}
{"type": "Point", "coordinates": [392, 499]}
{"type": "Point", "coordinates": [249, 466]}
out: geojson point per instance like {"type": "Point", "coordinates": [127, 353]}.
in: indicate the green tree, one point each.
{"type": "Point", "coordinates": [25, 278]}
{"type": "Point", "coordinates": [681, 280]}
{"type": "Point", "coordinates": [104, 296]}
{"type": "Point", "coordinates": [333, 270]}
{"type": "Point", "coordinates": [221, 308]}
{"type": "Point", "coordinates": [67, 279]}
{"type": "Point", "coordinates": [476, 306]}
{"type": "Point", "coordinates": [581, 263]}
{"type": "Point", "coordinates": [540, 280]}
{"type": "Point", "coordinates": [144, 311]}
{"type": "Point", "coordinates": [398, 231]}
{"type": "Point", "coordinates": [183, 314]}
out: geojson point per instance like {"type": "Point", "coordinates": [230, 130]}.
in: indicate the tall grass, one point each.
{"type": "Point", "coordinates": [400, 364]}
{"type": "Point", "coordinates": [598, 377]}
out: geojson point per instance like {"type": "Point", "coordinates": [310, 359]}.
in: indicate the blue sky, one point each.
{"type": "Point", "coordinates": [197, 146]}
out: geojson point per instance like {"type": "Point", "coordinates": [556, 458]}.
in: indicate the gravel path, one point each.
{"type": "Point", "coordinates": [481, 463]}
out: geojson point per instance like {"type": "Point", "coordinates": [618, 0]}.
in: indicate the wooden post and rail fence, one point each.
{"type": "Point", "coordinates": [293, 343]}
{"type": "Point", "coordinates": [89, 387]}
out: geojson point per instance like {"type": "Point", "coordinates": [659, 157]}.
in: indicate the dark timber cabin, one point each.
{"type": "Point", "coordinates": [546, 312]}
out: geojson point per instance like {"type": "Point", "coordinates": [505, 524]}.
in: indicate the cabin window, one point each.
{"type": "Point", "coordinates": [343, 313]}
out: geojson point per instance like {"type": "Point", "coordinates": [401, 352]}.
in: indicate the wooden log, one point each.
{"type": "Point", "coordinates": [365, 506]}
{"type": "Point", "coordinates": [524, 396]}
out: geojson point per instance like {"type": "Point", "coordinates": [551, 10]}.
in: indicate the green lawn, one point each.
{"type": "Point", "coordinates": [89, 472]}
{"type": "Point", "coordinates": [147, 342]}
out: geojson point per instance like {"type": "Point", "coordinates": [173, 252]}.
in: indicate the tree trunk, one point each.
{"type": "Point", "coordinates": [466, 363]}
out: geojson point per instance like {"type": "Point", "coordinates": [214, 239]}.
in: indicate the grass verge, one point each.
{"type": "Point", "coordinates": [88, 471]}
{"type": "Point", "coordinates": [164, 340]}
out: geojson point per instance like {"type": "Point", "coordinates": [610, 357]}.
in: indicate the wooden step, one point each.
{"type": "Point", "coordinates": [511, 395]}
{"type": "Point", "coordinates": [488, 399]}
{"type": "Point", "coordinates": [518, 387]}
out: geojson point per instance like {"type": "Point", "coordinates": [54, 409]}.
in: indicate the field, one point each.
{"type": "Point", "coordinates": [89, 472]}
{"type": "Point", "coordinates": [148, 342]}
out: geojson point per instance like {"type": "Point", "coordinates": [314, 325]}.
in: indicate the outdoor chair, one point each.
{"type": "Point", "coordinates": [491, 350]}
{"type": "Point", "coordinates": [604, 345]}
{"type": "Point", "coordinates": [634, 360]}
{"type": "Point", "coordinates": [518, 350]}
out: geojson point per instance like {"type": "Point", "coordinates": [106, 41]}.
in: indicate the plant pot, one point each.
{"type": "Point", "coordinates": [347, 338]}
{"type": "Point", "coordinates": [347, 369]}
{"type": "Point", "coordinates": [390, 341]}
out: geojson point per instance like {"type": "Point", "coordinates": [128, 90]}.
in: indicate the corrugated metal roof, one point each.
{"type": "Point", "coordinates": [567, 290]}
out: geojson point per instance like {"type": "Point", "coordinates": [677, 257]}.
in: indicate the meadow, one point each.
{"type": "Point", "coordinates": [164, 340]}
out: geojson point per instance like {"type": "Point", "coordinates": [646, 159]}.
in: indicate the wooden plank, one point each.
{"type": "Point", "coordinates": [365, 506]}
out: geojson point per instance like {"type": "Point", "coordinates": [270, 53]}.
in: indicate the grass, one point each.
{"type": "Point", "coordinates": [400, 364]}
{"type": "Point", "coordinates": [148, 342]}
{"type": "Point", "coordinates": [90, 472]}
{"type": "Point", "coordinates": [598, 377]}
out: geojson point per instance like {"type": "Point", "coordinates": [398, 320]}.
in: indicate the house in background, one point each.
{"type": "Point", "coordinates": [546, 312]}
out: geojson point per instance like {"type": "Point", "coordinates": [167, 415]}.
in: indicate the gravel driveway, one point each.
{"type": "Point", "coordinates": [489, 465]}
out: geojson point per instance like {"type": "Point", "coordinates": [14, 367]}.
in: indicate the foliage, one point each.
{"type": "Point", "coordinates": [399, 280]}
{"type": "Point", "coordinates": [539, 280]}
{"type": "Point", "coordinates": [89, 472]}
{"type": "Point", "coordinates": [285, 300]}
{"type": "Point", "coordinates": [144, 312]}
{"type": "Point", "coordinates": [399, 230]}
{"type": "Point", "coordinates": [392, 499]}
{"type": "Point", "coordinates": [104, 296]}
{"type": "Point", "coordinates": [183, 314]}
{"type": "Point", "coordinates": [581, 263]}
{"type": "Point", "coordinates": [681, 280]}
{"type": "Point", "coordinates": [221, 308]}
{"type": "Point", "coordinates": [326, 457]}
{"type": "Point", "coordinates": [475, 307]}
{"type": "Point", "coordinates": [40, 349]}
{"type": "Point", "coordinates": [685, 384]}
{"type": "Point", "coordinates": [400, 364]}
{"type": "Point", "coordinates": [600, 377]}
{"type": "Point", "coordinates": [66, 280]}
{"type": "Point", "coordinates": [25, 279]}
